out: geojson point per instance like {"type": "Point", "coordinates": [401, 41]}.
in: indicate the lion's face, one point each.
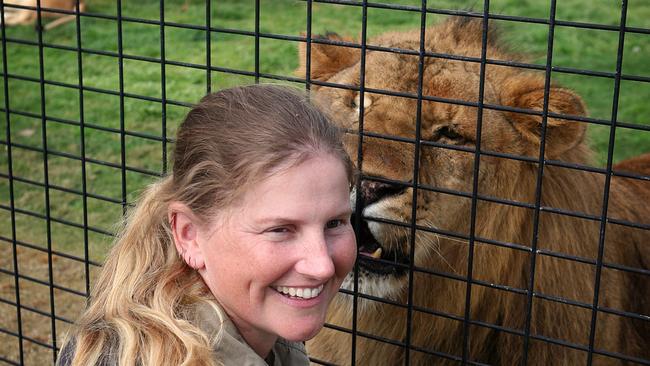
{"type": "Point", "coordinates": [446, 156]}
{"type": "Point", "coordinates": [392, 159]}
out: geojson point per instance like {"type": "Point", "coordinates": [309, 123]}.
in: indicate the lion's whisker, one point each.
{"type": "Point", "coordinates": [437, 249]}
{"type": "Point", "coordinates": [462, 241]}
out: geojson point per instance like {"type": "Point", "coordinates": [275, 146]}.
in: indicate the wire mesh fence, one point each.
{"type": "Point", "coordinates": [480, 242]}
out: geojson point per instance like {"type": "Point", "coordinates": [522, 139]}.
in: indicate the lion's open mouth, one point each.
{"type": "Point", "coordinates": [375, 258]}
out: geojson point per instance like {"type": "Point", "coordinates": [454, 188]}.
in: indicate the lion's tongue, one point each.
{"type": "Point", "coordinates": [375, 254]}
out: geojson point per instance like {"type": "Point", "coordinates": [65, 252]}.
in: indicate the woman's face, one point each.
{"type": "Point", "coordinates": [279, 256]}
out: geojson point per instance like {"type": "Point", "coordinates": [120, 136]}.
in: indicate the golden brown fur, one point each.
{"type": "Point", "coordinates": [444, 291]}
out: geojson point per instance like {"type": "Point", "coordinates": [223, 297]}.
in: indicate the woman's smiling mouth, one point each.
{"type": "Point", "coordinates": [299, 292]}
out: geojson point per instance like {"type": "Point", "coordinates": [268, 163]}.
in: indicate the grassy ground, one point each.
{"type": "Point", "coordinates": [573, 47]}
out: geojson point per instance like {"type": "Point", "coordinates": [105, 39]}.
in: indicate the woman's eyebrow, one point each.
{"type": "Point", "coordinates": [346, 212]}
{"type": "Point", "coordinates": [267, 220]}
{"type": "Point", "coordinates": [281, 219]}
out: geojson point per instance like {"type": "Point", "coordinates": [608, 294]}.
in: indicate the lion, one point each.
{"type": "Point", "coordinates": [510, 247]}
{"type": "Point", "coordinates": [21, 16]}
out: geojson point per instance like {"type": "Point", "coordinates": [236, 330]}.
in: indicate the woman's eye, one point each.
{"type": "Point", "coordinates": [279, 230]}
{"type": "Point", "coordinates": [447, 132]}
{"type": "Point", "coordinates": [332, 224]}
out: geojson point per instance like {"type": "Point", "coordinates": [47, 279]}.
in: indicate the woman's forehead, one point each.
{"type": "Point", "coordinates": [321, 179]}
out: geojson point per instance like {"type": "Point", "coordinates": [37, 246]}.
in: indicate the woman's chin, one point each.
{"type": "Point", "coordinates": [303, 333]}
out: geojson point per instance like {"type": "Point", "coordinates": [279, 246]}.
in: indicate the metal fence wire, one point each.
{"type": "Point", "coordinates": [56, 223]}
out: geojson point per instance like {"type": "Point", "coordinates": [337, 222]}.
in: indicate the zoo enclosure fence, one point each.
{"type": "Point", "coordinates": [12, 244]}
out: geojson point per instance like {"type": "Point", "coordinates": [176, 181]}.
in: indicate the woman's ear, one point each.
{"type": "Point", "coordinates": [184, 226]}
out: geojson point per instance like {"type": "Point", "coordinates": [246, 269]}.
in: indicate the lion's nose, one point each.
{"type": "Point", "coordinates": [372, 191]}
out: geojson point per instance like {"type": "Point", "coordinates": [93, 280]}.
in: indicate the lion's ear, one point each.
{"type": "Point", "coordinates": [326, 60]}
{"type": "Point", "coordinates": [528, 93]}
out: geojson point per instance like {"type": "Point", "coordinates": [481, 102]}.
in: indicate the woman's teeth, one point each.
{"type": "Point", "coordinates": [301, 292]}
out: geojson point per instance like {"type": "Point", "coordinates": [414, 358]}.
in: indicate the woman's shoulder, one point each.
{"type": "Point", "coordinates": [289, 353]}
{"type": "Point", "coordinates": [67, 353]}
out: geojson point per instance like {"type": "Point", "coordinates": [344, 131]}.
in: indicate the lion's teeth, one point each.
{"type": "Point", "coordinates": [376, 254]}
{"type": "Point", "coordinates": [305, 293]}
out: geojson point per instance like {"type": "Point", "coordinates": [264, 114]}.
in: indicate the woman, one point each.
{"type": "Point", "coordinates": [233, 258]}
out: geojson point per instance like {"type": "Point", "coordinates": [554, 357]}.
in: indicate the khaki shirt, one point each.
{"type": "Point", "coordinates": [232, 349]}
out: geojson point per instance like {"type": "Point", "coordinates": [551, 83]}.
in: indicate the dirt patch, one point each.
{"type": "Point", "coordinates": [37, 320]}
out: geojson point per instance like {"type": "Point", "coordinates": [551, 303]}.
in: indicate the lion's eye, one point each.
{"type": "Point", "coordinates": [356, 101]}
{"type": "Point", "coordinates": [447, 132]}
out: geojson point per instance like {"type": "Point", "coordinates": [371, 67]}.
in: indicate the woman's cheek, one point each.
{"type": "Point", "coordinates": [347, 249]}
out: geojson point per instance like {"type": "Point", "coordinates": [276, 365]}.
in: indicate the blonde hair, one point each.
{"type": "Point", "coordinates": [142, 307]}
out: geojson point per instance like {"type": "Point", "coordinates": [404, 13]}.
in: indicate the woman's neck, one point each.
{"type": "Point", "coordinates": [260, 342]}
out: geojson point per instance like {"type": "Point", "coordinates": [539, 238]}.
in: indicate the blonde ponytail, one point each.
{"type": "Point", "coordinates": [142, 305]}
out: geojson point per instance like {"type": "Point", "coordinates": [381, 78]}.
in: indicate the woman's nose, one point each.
{"type": "Point", "coordinates": [316, 261]}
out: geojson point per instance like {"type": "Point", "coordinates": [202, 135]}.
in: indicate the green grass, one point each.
{"type": "Point", "coordinates": [573, 47]}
